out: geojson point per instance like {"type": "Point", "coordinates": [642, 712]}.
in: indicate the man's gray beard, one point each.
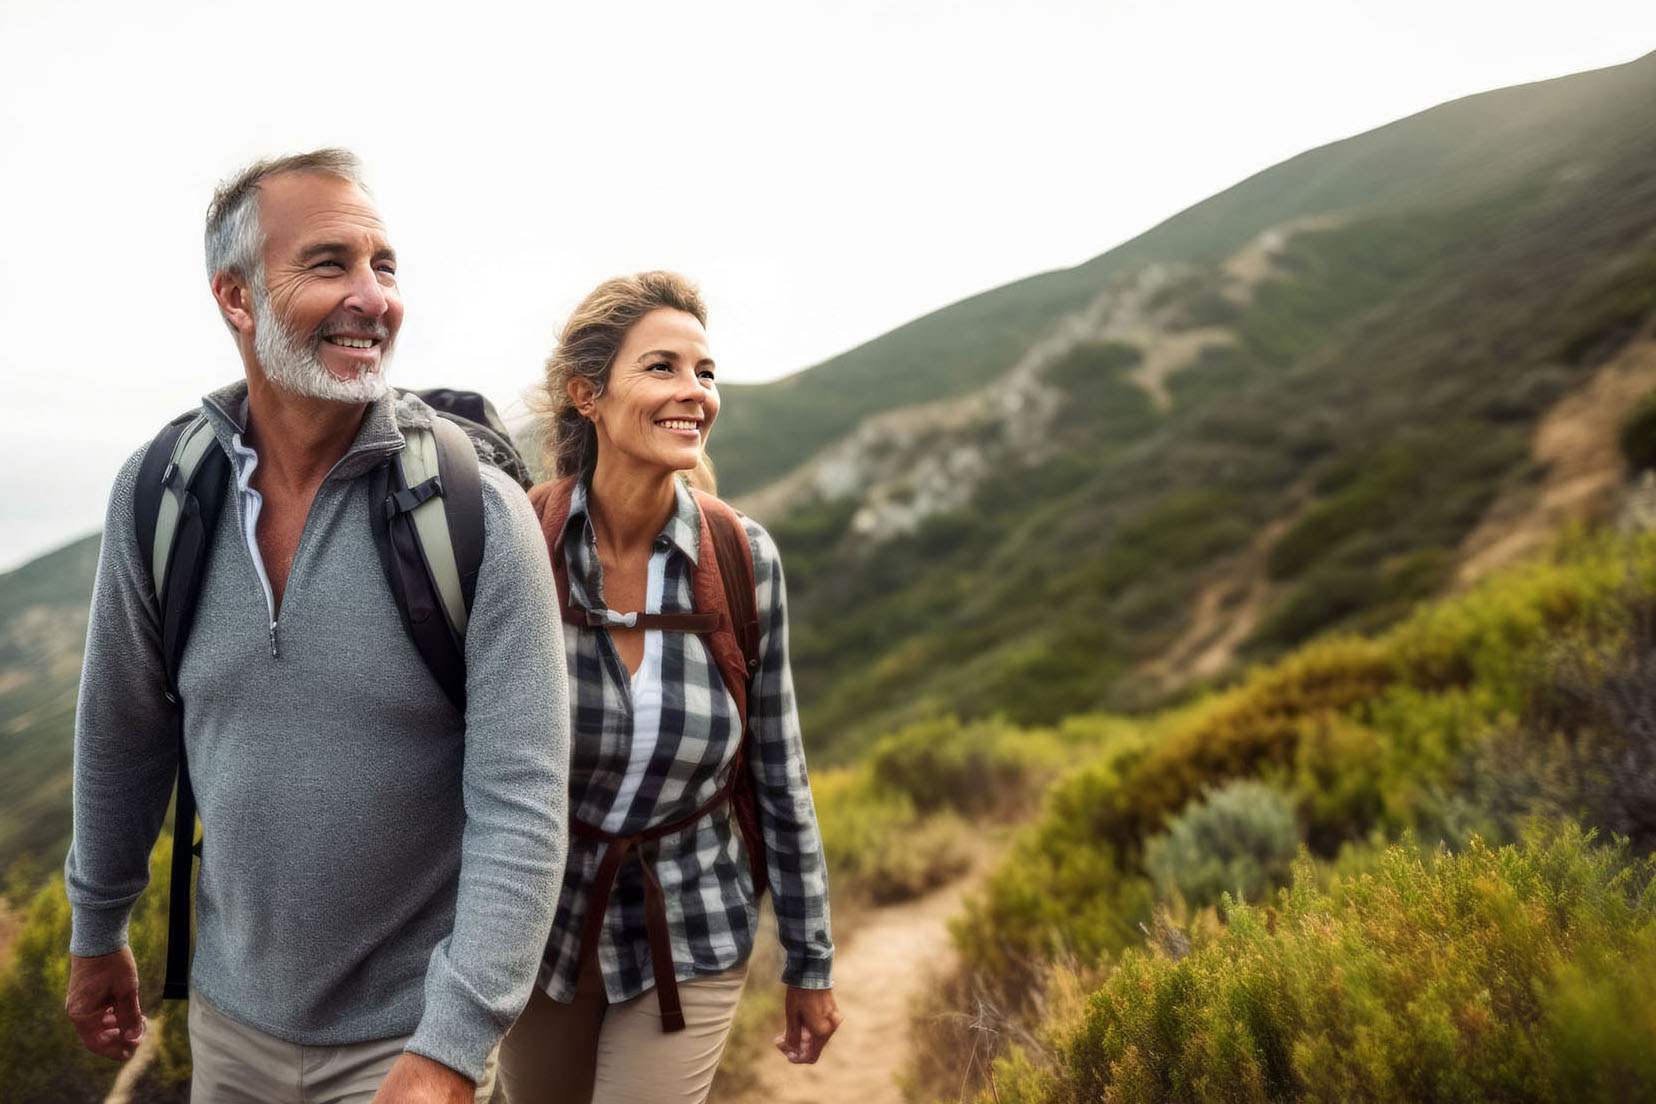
{"type": "Point", "coordinates": [293, 365]}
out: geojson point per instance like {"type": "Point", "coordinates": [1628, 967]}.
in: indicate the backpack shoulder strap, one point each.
{"type": "Point", "coordinates": [551, 505]}
{"type": "Point", "coordinates": [428, 528]}
{"type": "Point", "coordinates": [182, 482]}
{"type": "Point", "coordinates": [735, 560]}
{"type": "Point", "coordinates": [722, 527]}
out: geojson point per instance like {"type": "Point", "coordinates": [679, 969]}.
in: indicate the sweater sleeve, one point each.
{"type": "Point", "coordinates": [126, 732]}
{"type": "Point", "coordinates": [787, 815]}
{"type": "Point", "coordinates": [515, 785]}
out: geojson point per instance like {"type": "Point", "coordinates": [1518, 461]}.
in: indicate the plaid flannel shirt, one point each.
{"type": "Point", "coordinates": [711, 913]}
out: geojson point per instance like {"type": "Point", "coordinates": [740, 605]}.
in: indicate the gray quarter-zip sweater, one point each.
{"type": "Point", "coordinates": [373, 863]}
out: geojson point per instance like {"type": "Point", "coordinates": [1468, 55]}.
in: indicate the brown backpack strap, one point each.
{"type": "Point", "coordinates": [551, 505]}
{"type": "Point", "coordinates": [735, 555]}
{"type": "Point", "coordinates": [666, 622]}
{"type": "Point", "coordinates": [722, 526]}
{"type": "Point", "coordinates": [618, 851]}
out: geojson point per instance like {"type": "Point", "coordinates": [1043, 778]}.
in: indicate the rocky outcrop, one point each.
{"type": "Point", "coordinates": [905, 465]}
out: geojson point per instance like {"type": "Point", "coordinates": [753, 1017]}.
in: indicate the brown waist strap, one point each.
{"type": "Point", "coordinates": [620, 849]}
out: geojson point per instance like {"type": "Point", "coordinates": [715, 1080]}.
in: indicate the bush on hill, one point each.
{"type": "Point", "coordinates": [1492, 974]}
{"type": "Point", "coordinates": [1367, 738]}
{"type": "Point", "coordinates": [983, 770]}
{"type": "Point", "coordinates": [1238, 840]}
{"type": "Point", "coordinates": [43, 1059]}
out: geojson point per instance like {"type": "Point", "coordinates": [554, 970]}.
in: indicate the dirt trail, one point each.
{"type": "Point", "coordinates": [127, 1079]}
{"type": "Point", "coordinates": [876, 977]}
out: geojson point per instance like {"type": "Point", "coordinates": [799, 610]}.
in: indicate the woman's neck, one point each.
{"type": "Point", "coordinates": [629, 507]}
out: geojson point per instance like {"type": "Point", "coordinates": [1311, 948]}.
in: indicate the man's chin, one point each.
{"type": "Point", "coordinates": [318, 382]}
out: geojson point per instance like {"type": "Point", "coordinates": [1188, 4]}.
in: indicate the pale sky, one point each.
{"type": "Point", "coordinates": [826, 171]}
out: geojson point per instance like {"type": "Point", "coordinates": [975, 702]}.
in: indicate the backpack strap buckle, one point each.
{"type": "Point", "coordinates": [409, 498]}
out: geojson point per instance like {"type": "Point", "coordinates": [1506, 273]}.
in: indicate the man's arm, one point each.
{"type": "Point", "coordinates": [516, 794]}
{"type": "Point", "coordinates": [125, 761]}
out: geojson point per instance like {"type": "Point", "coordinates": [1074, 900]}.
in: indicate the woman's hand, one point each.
{"type": "Point", "coordinates": [810, 1017]}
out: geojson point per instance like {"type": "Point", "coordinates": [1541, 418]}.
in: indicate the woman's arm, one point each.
{"type": "Point", "coordinates": [787, 817]}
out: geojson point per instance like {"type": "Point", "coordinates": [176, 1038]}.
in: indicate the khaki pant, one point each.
{"type": "Point", "coordinates": [593, 1052]}
{"type": "Point", "coordinates": [236, 1064]}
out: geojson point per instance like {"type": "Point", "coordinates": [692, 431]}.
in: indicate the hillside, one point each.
{"type": "Point", "coordinates": [1450, 156]}
{"type": "Point", "coordinates": [1302, 405]}
{"type": "Point", "coordinates": [43, 608]}
{"type": "Point", "coordinates": [1221, 456]}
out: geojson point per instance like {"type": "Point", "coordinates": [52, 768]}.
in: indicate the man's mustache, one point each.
{"type": "Point", "coordinates": [369, 328]}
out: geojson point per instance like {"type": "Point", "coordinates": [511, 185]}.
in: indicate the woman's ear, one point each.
{"type": "Point", "coordinates": [585, 397]}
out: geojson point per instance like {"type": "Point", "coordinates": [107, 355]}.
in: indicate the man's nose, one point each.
{"type": "Point", "coordinates": [367, 296]}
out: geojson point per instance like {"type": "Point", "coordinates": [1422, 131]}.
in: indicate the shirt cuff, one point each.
{"type": "Point", "coordinates": [94, 932]}
{"type": "Point", "coordinates": [457, 1034]}
{"type": "Point", "coordinates": [808, 973]}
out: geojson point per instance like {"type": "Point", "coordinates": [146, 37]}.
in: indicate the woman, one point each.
{"type": "Point", "coordinates": [658, 893]}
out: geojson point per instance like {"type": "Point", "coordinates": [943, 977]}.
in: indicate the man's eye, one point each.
{"type": "Point", "coordinates": [327, 264]}
{"type": "Point", "coordinates": [706, 374]}
{"type": "Point", "coordinates": [389, 270]}
{"type": "Point", "coordinates": [662, 364]}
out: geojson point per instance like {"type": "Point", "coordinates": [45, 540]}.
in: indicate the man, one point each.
{"type": "Point", "coordinates": [378, 870]}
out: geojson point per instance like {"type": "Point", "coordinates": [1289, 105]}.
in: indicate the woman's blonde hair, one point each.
{"type": "Point", "coordinates": [586, 349]}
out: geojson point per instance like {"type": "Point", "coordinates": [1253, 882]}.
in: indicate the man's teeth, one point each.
{"type": "Point", "coordinates": [679, 423]}
{"type": "Point", "coordinates": [353, 342]}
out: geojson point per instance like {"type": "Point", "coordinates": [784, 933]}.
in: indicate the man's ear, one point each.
{"type": "Point", "coordinates": [235, 300]}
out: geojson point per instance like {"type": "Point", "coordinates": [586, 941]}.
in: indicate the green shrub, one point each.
{"type": "Point", "coordinates": [1459, 977]}
{"type": "Point", "coordinates": [984, 769]}
{"type": "Point", "coordinates": [41, 1056]}
{"type": "Point", "coordinates": [1585, 743]}
{"type": "Point", "coordinates": [1365, 736]}
{"type": "Point", "coordinates": [1247, 731]}
{"type": "Point", "coordinates": [1239, 840]}
{"type": "Point", "coordinates": [879, 848]}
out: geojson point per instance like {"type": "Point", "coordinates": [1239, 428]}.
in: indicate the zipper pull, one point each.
{"type": "Point", "coordinates": [273, 653]}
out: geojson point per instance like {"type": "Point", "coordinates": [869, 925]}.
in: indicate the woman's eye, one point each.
{"type": "Point", "coordinates": [706, 374]}
{"type": "Point", "coordinates": [661, 365]}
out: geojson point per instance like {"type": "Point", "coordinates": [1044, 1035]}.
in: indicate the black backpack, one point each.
{"type": "Point", "coordinates": [429, 533]}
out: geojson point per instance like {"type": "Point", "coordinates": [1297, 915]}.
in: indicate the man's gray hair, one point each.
{"type": "Point", "coordinates": [235, 243]}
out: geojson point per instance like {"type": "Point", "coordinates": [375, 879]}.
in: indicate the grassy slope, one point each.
{"type": "Point", "coordinates": [42, 630]}
{"type": "Point", "coordinates": [1450, 155]}
{"type": "Point", "coordinates": [1383, 395]}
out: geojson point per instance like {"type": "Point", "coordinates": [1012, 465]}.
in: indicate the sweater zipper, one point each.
{"type": "Point", "coordinates": [250, 538]}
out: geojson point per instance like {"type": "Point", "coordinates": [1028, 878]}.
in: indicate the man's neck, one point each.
{"type": "Point", "coordinates": [629, 507]}
{"type": "Point", "coordinates": [298, 439]}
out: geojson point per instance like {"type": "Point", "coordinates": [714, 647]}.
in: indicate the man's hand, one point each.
{"type": "Point", "coordinates": [810, 1017]}
{"type": "Point", "coordinates": [416, 1079]}
{"type": "Point", "coordinates": [103, 1003]}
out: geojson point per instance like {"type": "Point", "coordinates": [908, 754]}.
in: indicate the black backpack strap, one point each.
{"type": "Point", "coordinates": [182, 482]}
{"type": "Point", "coordinates": [428, 527]}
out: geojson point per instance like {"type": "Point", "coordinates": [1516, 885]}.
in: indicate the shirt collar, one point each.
{"type": "Point", "coordinates": [682, 531]}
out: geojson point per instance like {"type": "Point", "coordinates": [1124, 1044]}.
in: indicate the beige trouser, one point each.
{"type": "Point", "coordinates": [236, 1064]}
{"type": "Point", "coordinates": [593, 1051]}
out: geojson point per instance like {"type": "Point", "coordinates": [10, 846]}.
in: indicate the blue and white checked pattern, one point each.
{"type": "Point", "coordinates": [711, 914]}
